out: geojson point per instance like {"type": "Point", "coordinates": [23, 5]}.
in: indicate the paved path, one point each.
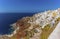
{"type": "Point", "coordinates": [56, 33]}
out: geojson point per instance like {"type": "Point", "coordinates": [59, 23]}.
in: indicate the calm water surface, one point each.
{"type": "Point", "coordinates": [8, 18]}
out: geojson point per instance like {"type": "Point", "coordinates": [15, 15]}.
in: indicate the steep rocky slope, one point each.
{"type": "Point", "coordinates": [38, 26]}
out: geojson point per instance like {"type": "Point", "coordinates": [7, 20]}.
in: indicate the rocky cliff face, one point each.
{"type": "Point", "coordinates": [38, 26]}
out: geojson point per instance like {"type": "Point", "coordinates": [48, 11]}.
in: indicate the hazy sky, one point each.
{"type": "Point", "coordinates": [28, 5]}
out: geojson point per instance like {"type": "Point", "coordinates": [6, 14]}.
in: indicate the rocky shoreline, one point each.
{"type": "Point", "coordinates": [38, 26]}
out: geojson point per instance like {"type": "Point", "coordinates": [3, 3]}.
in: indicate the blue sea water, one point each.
{"type": "Point", "coordinates": [8, 18]}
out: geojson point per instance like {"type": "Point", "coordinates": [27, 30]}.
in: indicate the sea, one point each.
{"type": "Point", "coordinates": [9, 18]}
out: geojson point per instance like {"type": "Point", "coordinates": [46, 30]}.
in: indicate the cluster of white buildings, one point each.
{"type": "Point", "coordinates": [47, 17]}
{"type": "Point", "coordinates": [42, 19]}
